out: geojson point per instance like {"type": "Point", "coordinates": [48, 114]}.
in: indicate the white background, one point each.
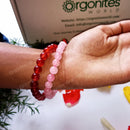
{"type": "Point", "coordinates": [54, 115]}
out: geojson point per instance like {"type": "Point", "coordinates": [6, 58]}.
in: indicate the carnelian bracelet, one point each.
{"type": "Point", "coordinates": [71, 97]}
{"type": "Point", "coordinates": [38, 69]}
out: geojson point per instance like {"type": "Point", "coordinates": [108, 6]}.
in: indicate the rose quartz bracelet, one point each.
{"type": "Point", "coordinates": [49, 93]}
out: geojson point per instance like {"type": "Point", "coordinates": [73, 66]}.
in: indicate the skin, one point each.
{"type": "Point", "coordinates": [97, 57]}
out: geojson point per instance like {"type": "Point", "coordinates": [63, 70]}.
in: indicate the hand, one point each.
{"type": "Point", "coordinates": [97, 57]}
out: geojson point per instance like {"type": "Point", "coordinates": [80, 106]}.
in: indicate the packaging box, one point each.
{"type": "Point", "coordinates": [51, 20]}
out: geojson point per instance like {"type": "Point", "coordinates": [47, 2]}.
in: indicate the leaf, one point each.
{"type": "Point", "coordinates": [37, 110]}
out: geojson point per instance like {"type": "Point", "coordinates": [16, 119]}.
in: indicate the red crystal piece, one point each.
{"type": "Point", "coordinates": [43, 56]}
{"type": "Point", "coordinates": [128, 127]}
{"type": "Point", "coordinates": [37, 69]}
{"type": "Point", "coordinates": [40, 62]}
{"type": "Point", "coordinates": [35, 77]}
{"type": "Point", "coordinates": [71, 97]}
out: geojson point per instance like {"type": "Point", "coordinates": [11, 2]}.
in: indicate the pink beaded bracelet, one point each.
{"type": "Point", "coordinates": [49, 93]}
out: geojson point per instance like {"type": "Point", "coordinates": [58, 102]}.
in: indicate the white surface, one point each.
{"type": "Point", "coordinates": [54, 115]}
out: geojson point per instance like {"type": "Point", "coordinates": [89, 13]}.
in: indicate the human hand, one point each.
{"type": "Point", "coordinates": [97, 57]}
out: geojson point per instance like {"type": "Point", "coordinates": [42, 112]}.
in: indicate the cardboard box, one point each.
{"type": "Point", "coordinates": [51, 20]}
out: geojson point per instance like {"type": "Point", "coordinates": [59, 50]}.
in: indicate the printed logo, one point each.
{"type": "Point", "coordinates": [69, 6]}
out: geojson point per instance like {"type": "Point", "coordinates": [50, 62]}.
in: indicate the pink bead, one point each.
{"type": "Point", "coordinates": [53, 70]}
{"type": "Point", "coordinates": [51, 94]}
{"type": "Point", "coordinates": [56, 62]}
{"type": "Point", "coordinates": [48, 84]}
{"type": "Point", "coordinates": [50, 77]}
{"type": "Point", "coordinates": [54, 92]}
{"type": "Point", "coordinates": [58, 56]}
{"type": "Point", "coordinates": [59, 50]}
{"type": "Point", "coordinates": [62, 43]}
{"type": "Point", "coordinates": [47, 91]}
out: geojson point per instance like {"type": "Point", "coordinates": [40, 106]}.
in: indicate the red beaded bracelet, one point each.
{"type": "Point", "coordinates": [38, 69]}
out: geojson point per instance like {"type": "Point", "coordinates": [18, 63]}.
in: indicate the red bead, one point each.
{"type": "Point", "coordinates": [40, 62]}
{"type": "Point", "coordinates": [41, 97]}
{"type": "Point", "coordinates": [51, 48]}
{"type": "Point", "coordinates": [35, 77]}
{"type": "Point", "coordinates": [128, 127]}
{"type": "Point", "coordinates": [34, 84]}
{"type": "Point", "coordinates": [46, 50]}
{"type": "Point", "coordinates": [37, 69]}
{"type": "Point", "coordinates": [54, 47]}
{"type": "Point", "coordinates": [43, 56]}
{"type": "Point", "coordinates": [65, 40]}
{"type": "Point", "coordinates": [36, 93]}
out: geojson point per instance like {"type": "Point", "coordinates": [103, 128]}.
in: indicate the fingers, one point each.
{"type": "Point", "coordinates": [120, 32]}
{"type": "Point", "coordinates": [116, 28]}
{"type": "Point", "coordinates": [119, 27]}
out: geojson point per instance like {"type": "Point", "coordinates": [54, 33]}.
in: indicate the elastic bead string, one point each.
{"type": "Point", "coordinates": [38, 69]}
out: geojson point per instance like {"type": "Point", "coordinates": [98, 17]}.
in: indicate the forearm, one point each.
{"type": "Point", "coordinates": [16, 66]}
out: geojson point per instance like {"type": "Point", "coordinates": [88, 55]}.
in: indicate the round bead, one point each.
{"type": "Point", "coordinates": [62, 44]}
{"type": "Point", "coordinates": [52, 94]}
{"type": "Point", "coordinates": [41, 97]}
{"type": "Point", "coordinates": [59, 50]}
{"type": "Point", "coordinates": [56, 62]}
{"type": "Point", "coordinates": [36, 93]}
{"type": "Point", "coordinates": [58, 56]}
{"type": "Point", "coordinates": [35, 77]}
{"type": "Point", "coordinates": [43, 56]}
{"type": "Point", "coordinates": [55, 46]}
{"type": "Point", "coordinates": [34, 84]}
{"type": "Point", "coordinates": [53, 70]}
{"type": "Point", "coordinates": [48, 84]}
{"type": "Point", "coordinates": [37, 69]}
{"type": "Point", "coordinates": [52, 47]}
{"type": "Point", "coordinates": [40, 62]}
{"type": "Point", "coordinates": [47, 51]}
{"type": "Point", "coordinates": [65, 40]}
{"type": "Point", "coordinates": [47, 91]}
{"type": "Point", "coordinates": [50, 77]}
